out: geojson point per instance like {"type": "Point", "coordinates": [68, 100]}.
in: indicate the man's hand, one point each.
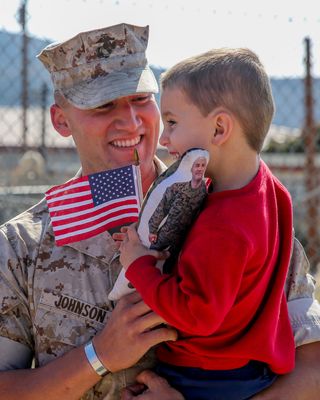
{"type": "Point", "coordinates": [303, 383]}
{"type": "Point", "coordinates": [151, 386]}
{"type": "Point", "coordinates": [131, 331]}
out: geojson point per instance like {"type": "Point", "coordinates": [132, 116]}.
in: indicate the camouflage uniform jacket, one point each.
{"type": "Point", "coordinates": [179, 205]}
{"type": "Point", "coordinates": [53, 299]}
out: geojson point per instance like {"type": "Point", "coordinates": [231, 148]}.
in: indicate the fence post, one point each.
{"type": "Point", "coordinates": [44, 101]}
{"type": "Point", "coordinates": [24, 71]}
{"type": "Point", "coordinates": [309, 137]}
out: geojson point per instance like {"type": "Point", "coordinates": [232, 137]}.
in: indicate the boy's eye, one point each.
{"type": "Point", "coordinates": [171, 122]}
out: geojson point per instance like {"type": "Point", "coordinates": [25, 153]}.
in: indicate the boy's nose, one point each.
{"type": "Point", "coordinates": [164, 139]}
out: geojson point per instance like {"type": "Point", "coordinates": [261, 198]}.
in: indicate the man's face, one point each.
{"type": "Point", "coordinates": [198, 169]}
{"type": "Point", "coordinates": [107, 136]}
{"type": "Point", "coordinates": [184, 125]}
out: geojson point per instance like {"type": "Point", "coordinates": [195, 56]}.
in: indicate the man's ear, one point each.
{"type": "Point", "coordinates": [222, 126]}
{"type": "Point", "coordinates": [59, 121]}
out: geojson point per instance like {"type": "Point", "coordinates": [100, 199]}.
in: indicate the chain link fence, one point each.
{"type": "Point", "coordinates": [33, 156]}
{"type": "Point", "coordinates": [292, 149]}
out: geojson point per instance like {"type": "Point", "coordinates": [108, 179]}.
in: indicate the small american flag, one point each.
{"type": "Point", "coordinates": [87, 206]}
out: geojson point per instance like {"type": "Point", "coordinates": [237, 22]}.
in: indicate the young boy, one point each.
{"type": "Point", "coordinates": [225, 295]}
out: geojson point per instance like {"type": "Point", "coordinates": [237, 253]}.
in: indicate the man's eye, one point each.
{"type": "Point", "coordinates": [141, 99]}
{"type": "Point", "coordinates": [106, 106]}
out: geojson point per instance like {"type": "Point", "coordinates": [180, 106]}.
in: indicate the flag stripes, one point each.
{"type": "Point", "coordinates": [87, 206]}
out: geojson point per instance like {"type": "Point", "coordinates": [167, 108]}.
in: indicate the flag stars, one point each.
{"type": "Point", "coordinates": [114, 184]}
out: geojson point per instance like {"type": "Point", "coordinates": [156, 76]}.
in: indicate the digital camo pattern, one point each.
{"type": "Point", "coordinates": [173, 217]}
{"type": "Point", "coordinates": [179, 207]}
{"type": "Point", "coordinates": [98, 66]}
{"type": "Point", "coordinates": [299, 283]}
{"type": "Point", "coordinates": [53, 299]}
{"type": "Point", "coordinates": [95, 53]}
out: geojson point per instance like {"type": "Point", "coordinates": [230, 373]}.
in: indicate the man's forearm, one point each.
{"type": "Point", "coordinates": [301, 384]}
{"type": "Point", "coordinates": [66, 378]}
{"type": "Point", "coordinates": [121, 343]}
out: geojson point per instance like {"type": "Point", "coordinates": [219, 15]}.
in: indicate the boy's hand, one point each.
{"type": "Point", "coordinates": [119, 237]}
{"type": "Point", "coordinates": [131, 248]}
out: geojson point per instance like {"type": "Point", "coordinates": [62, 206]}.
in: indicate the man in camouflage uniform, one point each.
{"type": "Point", "coordinates": [53, 300]}
{"type": "Point", "coordinates": [174, 214]}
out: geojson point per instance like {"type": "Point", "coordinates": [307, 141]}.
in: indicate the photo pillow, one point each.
{"type": "Point", "coordinates": [168, 210]}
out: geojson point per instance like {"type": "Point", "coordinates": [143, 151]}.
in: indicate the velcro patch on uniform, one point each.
{"type": "Point", "coordinates": [76, 307]}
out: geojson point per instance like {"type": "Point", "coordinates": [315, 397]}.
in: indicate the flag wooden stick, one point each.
{"type": "Point", "coordinates": [136, 157]}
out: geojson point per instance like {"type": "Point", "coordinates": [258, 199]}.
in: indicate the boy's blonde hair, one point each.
{"type": "Point", "coordinates": [230, 78]}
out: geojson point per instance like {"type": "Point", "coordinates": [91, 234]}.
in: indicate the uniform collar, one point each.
{"type": "Point", "coordinates": [160, 167]}
{"type": "Point", "coordinates": [101, 247]}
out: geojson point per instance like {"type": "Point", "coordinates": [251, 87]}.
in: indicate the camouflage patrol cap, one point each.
{"type": "Point", "coordinates": [98, 66]}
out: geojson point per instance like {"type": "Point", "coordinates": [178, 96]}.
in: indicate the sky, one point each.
{"type": "Point", "coordinates": [274, 29]}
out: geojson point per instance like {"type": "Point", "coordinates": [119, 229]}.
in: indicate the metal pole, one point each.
{"type": "Point", "coordinates": [309, 135]}
{"type": "Point", "coordinates": [44, 97]}
{"type": "Point", "coordinates": [24, 71]}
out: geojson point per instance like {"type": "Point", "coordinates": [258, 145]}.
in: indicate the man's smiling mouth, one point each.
{"type": "Point", "coordinates": [127, 142]}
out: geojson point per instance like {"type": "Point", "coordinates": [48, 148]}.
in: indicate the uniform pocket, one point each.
{"type": "Point", "coordinates": [62, 318]}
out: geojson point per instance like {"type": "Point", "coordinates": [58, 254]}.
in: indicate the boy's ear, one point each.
{"type": "Point", "coordinates": [222, 123]}
{"type": "Point", "coordinates": [59, 121]}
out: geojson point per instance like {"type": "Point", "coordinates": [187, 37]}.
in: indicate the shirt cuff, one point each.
{"type": "Point", "coordinates": [305, 320]}
{"type": "Point", "coordinates": [14, 355]}
{"type": "Point", "coordinates": [137, 266]}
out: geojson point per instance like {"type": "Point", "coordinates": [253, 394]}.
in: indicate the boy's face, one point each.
{"type": "Point", "coordinates": [184, 125]}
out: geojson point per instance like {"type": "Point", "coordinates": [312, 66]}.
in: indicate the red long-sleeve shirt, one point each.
{"type": "Point", "coordinates": [226, 294]}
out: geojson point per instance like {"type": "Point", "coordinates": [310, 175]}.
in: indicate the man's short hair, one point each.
{"type": "Point", "coordinates": [98, 66]}
{"type": "Point", "coordinates": [202, 158]}
{"type": "Point", "coordinates": [230, 78]}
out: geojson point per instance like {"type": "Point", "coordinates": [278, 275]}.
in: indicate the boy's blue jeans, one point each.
{"type": "Point", "coordinates": [236, 384]}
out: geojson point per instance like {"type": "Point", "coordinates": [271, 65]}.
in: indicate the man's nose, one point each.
{"type": "Point", "coordinates": [128, 118]}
